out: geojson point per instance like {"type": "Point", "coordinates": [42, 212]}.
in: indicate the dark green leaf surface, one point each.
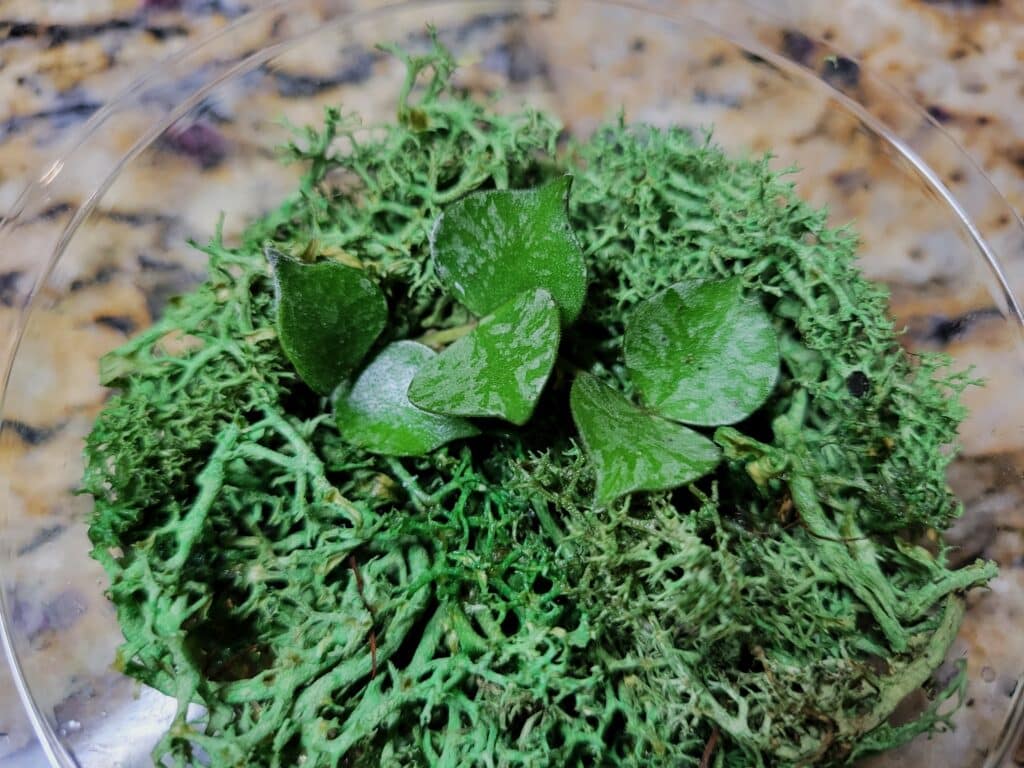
{"type": "Point", "coordinates": [375, 412]}
{"type": "Point", "coordinates": [491, 246]}
{"type": "Point", "coordinates": [702, 353]}
{"type": "Point", "coordinates": [328, 316]}
{"type": "Point", "coordinates": [633, 450]}
{"type": "Point", "coordinates": [500, 368]}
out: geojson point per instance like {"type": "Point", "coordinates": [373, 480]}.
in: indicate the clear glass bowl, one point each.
{"type": "Point", "coordinates": [94, 249]}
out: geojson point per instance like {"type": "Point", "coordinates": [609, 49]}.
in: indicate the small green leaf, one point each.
{"type": "Point", "coordinates": [634, 450]}
{"type": "Point", "coordinates": [328, 316]}
{"type": "Point", "coordinates": [491, 246]}
{"type": "Point", "coordinates": [375, 413]}
{"type": "Point", "coordinates": [500, 368]}
{"type": "Point", "coordinates": [702, 353]}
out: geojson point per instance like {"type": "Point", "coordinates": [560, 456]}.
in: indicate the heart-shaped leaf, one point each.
{"type": "Point", "coordinates": [702, 353]}
{"type": "Point", "coordinates": [375, 413]}
{"type": "Point", "coordinates": [633, 450]}
{"type": "Point", "coordinates": [500, 368]}
{"type": "Point", "coordinates": [328, 316]}
{"type": "Point", "coordinates": [491, 246]}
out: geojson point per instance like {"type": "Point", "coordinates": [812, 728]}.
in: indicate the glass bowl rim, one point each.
{"type": "Point", "coordinates": [728, 26]}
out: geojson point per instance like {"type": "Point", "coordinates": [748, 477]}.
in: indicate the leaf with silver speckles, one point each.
{"type": "Point", "coordinates": [500, 368]}
{"type": "Point", "coordinates": [490, 246]}
{"type": "Point", "coordinates": [701, 352]}
{"type": "Point", "coordinates": [631, 449]}
{"type": "Point", "coordinates": [375, 413]}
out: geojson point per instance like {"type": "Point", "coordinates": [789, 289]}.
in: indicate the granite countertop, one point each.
{"type": "Point", "coordinates": [963, 60]}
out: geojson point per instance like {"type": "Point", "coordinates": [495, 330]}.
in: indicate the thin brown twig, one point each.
{"type": "Point", "coordinates": [373, 614]}
{"type": "Point", "coordinates": [836, 539]}
{"type": "Point", "coordinates": [802, 524]}
{"type": "Point", "coordinates": [709, 749]}
{"type": "Point", "coordinates": [766, 534]}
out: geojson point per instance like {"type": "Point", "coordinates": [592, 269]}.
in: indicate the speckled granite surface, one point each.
{"type": "Point", "coordinates": [962, 60]}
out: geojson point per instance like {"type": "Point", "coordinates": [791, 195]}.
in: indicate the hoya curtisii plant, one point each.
{"type": "Point", "coordinates": [699, 353]}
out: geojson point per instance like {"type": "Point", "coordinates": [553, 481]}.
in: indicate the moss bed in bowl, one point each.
{"type": "Point", "coordinates": [487, 448]}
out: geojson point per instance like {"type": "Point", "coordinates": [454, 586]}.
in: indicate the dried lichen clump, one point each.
{"type": "Point", "coordinates": [328, 606]}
